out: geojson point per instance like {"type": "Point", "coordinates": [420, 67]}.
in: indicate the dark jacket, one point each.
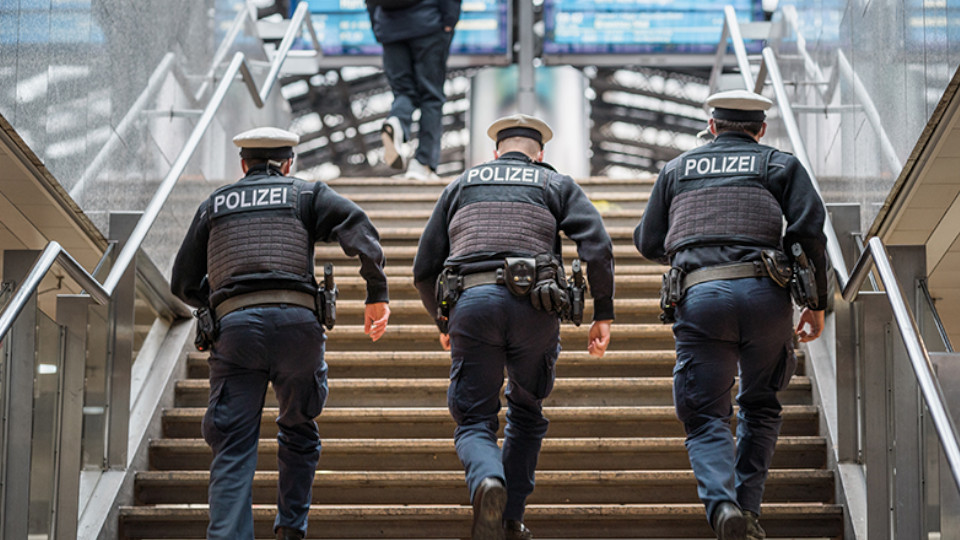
{"type": "Point", "coordinates": [576, 217]}
{"type": "Point", "coordinates": [327, 216]}
{"type": "Point", "coordinates": [425, 18]}
{"type": "Point", "coordinates": [788, 183]}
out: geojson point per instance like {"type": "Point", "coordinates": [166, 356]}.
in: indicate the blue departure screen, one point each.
{"type": "Point", "coordinates": [639, 26]}
{"type": "Point", "coordinates": [343, 27]}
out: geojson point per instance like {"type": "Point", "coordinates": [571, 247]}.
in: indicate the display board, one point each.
{"type": "Point", "coordinates": [343, 27]}
{"type": "Point", "coordinates": [602, 27]}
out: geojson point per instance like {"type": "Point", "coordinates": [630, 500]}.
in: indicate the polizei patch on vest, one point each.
{"type": "Point", "coordinates": [699, 166]}
{"type": "Point", "coordinates": [505, 174]}
{"type": "Point", "coordinates": [251, 198]}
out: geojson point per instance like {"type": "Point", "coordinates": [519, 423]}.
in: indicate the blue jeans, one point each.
{"type": "Point", "coordinates": [723, 325]}
{"type": "Point", "coordinates": [283, 345]}
{"type": "Point", "coordinates": [491, 329]}
{"type": "Point", "coordinates": [416, 70]}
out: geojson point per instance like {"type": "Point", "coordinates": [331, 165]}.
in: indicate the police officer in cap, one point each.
{"type": "Point", "coordinates": [494, 235]}
{"type": "Point", "coordinates": [716, 213]}
{"type": "Point", "coordinates": [249, 257]}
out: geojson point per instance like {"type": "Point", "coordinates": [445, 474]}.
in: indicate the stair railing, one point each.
{"type": "Point", "coordinates": [894, 492]}
{"type": "Point", "coordinates": [118, 292]}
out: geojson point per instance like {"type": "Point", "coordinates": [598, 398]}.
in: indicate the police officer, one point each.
{"type": "Point", "coordinates": [507, 312]}
{"type": "Point", "coordinates": [249, 256]}
{"type": "Point", "coordinates": [716, 213]}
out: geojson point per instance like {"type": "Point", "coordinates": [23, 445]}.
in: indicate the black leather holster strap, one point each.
{"type": "Point", "coordinates": [492, 277]}
{"type": "Point", "coordinates": [724, 271]}
{"type": "Point", "coordinates": [261, 298]}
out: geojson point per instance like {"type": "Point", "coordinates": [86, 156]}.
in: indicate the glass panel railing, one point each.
{"type": "Point", "coordinates": [93, 444]}
{"type": "Point", "coordinates": [46, 400]}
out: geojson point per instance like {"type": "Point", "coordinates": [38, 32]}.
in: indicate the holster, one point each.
{"type": "Point", "coordinates": [803, 286]}
{"type": "Point", "coordinates": [327, 299]}
{"type": "Point", "coordinates": [575, 292]}
{"type": "Point", "coordinates": [207, 331]}
{"type": "Point", "coordinates": [671, 292]}
{"type": "Point", "coordinates": [777, 265]}
{"type": "Point", "coordinates": [448, 291]}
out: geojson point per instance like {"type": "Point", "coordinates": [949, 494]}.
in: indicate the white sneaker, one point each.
{"type": "Point", "coordinates": [419, 171]}
{"type": "Point", "coordinates": [392, 136]}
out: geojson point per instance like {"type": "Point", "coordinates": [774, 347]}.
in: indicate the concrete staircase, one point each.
{"type": "Point", "coordinates": [613, 464]}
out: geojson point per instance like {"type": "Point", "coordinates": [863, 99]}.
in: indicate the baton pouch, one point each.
{"type": "Point", "coordinates": [671, 292]}
{"type": "Point", "coordinates": [519, 275]}
{"type": "Point", "coordinates": [448, 291]}
{"type": "Point", "coordinates": [206, 329]}
{"type": "Point", "coordinates": [778, 266]}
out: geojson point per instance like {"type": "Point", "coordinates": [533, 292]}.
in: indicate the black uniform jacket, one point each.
{"type": "Point", "coordinates": [576, 217]}
{"type": "Point", "coordinates": [327, 216]}
{"type": "Point", "coordinates": [790, 186]}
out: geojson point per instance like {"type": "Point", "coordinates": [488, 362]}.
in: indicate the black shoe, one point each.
{"type": "Point", "coordinates": [286, 533]}
{"type": "Point", "coordinates": [754, 530]}
{"type": "Point", "coordinates": [729, 523]}
{"type": "Point", "coordinates": [488, 504]}
{"type": "Point", "coordinates": [516, 530]}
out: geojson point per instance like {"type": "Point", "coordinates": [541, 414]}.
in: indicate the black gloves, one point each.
{"type": "Point", "coordinates": [547, 293]}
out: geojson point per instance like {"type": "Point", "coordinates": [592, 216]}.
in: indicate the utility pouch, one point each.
{"type": "Point", "coordinates": [519, 275]}
{"type": "Point", "coordinates": [777, 265]}
{"type": "Point", "coordinates": [575, 289]}
{"type": "Point", "coordinates": [327, 299]}
{"type": "Point", "coordinates": [448, 290]}
{"type": "Point", "coordinates": [671, 292]}
{"type": "Point", "coordinates": [803, 286]}
{"type": "Point", "coordinates": [206, 329]}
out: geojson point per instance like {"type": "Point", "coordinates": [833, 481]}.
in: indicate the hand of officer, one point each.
{"type": "Point", "coordinates": [445, 341]}
{"type": "Point", "coordinates": [599, 338]}
{"type": "Point", "coordinates": [815, 321]}
{"type": "Point", "coordinates": [375, 318]}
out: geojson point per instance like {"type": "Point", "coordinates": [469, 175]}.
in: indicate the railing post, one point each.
{"type": "Point", "coordinates": [909, 264]}
{"type": "Point", "coordinates": [876, 358]}
{"type": "Point", "coordinates": [18, 380]}
{"type": "Point", "coordinates": [846, 221]}
{"type": "Point", "coordinates": [72, 314]}
{"type": "Point", "coordinates": [120, 345]}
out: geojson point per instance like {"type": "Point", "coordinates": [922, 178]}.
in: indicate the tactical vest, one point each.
{"type": "Point", "coordinates": [502, 209]}
{"type": "Point", "coordinates": [723, 198]}
{"type": "Point", "coordinates": [256, 233]}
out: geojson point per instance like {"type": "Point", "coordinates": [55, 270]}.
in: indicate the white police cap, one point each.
{"type": "Point", "coordinates": [520, 125]}
{"type": "Point", "coordinates": [739, 106]}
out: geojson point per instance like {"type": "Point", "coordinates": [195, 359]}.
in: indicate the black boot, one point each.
{"type": "Point", "coordinates": [728, 522]}
{"type": "Point", "coordinates": [516, 530]}
{"type": "Point", "coordinates": [488, 503]}
{"type": "Point", "coordinates": [286, 533]}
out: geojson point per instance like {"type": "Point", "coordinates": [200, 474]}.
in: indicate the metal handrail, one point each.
{"type": "Point", "coordinates": [770, 68]}
{"type": "Point", "coordinates": [53, 252]}
{"type": "Point", "coordinates": [876, 255]}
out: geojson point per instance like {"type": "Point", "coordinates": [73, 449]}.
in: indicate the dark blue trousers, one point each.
{"type": "Point", "coordinates": [722, 326]}
{"type": "Point", "coordinates": [416, 70]}
{"type": "Point", "coordinates": [283, 345]}
{"type": "Point", "coordinates": [491, 329]}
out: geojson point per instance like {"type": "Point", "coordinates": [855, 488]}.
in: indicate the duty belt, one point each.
{"type": "Point", "coordinates": [264, 298]}
{"type": "Point", "coordinates": [493, 277]}
{"type": "Point", "coordinates": [724, 271]}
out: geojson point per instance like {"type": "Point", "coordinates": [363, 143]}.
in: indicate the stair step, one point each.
{"type": "Point", "coordinates": [397, 255]}
{"type": "Point", "coordinates": [444, 487]}
{"type": "Point", "coordinates": [601, 453]}
{"type": "Point", "coordinates": [453, 521]}
{"type": "Point", "coordinates": [633, 200]}
{"type": "Point", "coordinates": [392, 234]}
{"type": "Point", "coordinates": [407, 311]}
{"type": "Point", "coordinates": [568, 391]}
{"type": "Point", "coordinates": [436, 364]}
{"type": "Point", "coordinates": [613, 216]}
{"type": "Point", "coordinates": [435, 422]}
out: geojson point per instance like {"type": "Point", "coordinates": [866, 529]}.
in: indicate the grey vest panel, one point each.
{"type": "Point", "coordinates": [274, 245]}
{"type": "Point", "coordinates": [502, 227]}
{"type": "Point", "coordinates": [725, 214]}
